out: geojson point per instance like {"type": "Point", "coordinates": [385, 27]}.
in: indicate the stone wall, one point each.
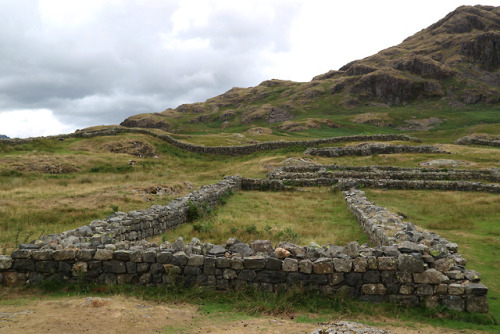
{"type": "Point", "coordinates": [372, 148]}
{"type": "Point", "coordinates": [472, 140]}
{"type": "Point", "coordinates": [408, 265]}
{"type": "Point", "coordinates": [220, 150]}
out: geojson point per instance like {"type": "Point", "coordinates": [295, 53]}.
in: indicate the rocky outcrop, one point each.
{"type": "Point", "coordinates": [140, 121]}
{"type": "Point", "coordinates": [484, 49]}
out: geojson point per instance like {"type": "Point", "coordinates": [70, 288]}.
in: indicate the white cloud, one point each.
{"type": "Point", "coordinates": [31, 123]}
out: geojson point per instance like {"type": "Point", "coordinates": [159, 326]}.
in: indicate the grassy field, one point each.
{"type": "Point", "coordinates": [35, 200]}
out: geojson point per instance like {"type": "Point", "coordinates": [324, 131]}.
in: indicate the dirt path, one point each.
{"type": "Point", "coordinates": [129, 315]}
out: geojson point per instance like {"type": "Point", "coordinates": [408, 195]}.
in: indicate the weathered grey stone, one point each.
{"type": "Point", "coordinates": [323, 265]}
{"type": "Point", "coordinates": [21, 254]}
{"type": "Point", "coordinates": [12, 279]}
{"type": "Point", "coordinates": [241, 248]}
{"type": "Point", "coordinates": [85, 254]}
{"type": "Point", "coordinates": [476, 289]}
{"type": "Point", "coordinates": [472, 275]}
{"type": "Point", "coordinates": [271, 276]}
{"type": "Point", "coordinates": [294, 250]}
{"type": "Point", "coordinates": [406, 300]}
{"type": "Point", "coordinates": [247, 275]}
{"type": "Point", "coordinates": [142, 267]}
{"type": "Point", "coordinates": [164, 257]}
{"type": "Point", "coordinates": [107, 279]}
{"type": "Point", "coordinates": [456, 289]}
{"type": "Point", "coordinates": [131, 267]}
{"type": "Point", "coordinates": [273, 263]}
{"type": "Point", "coordinates": [431, 301]}
{"type": "Point", "coordinates": [410, 263]}
{"type": "Point", "coordinates": [404, 277]}
{"type": "Point", "coordinates": [28, 246]}
{"type": "Point", "coordinates": [406, 289]}
{"type": "Point", "coordinates": [5, 262]}
{"type": "Point", "coordinates": [391, 251]}
{"type": "Point", "coordinates": [424, 289]}
{"type": "Point", "coordinates": [373, 289]}
{"type": "Point", "coordinates": [35, 278]}
{"type": "Point", "coordinates": [305, 266]}
{"type": "Point", "coordinates": [254, 262]}
{"type": "Point", "coordinates": [40, 255]}
{"type": "Point", "coordinates": [223, 262]}
{"type": "Point", "coordinates": [196, 260]}
{"type": "Point", "coordinates": [122, 255]}
{"type": "Point", "coordinates": [372, 263]}
{"type": "Point", "coordinates": [261, 246]}
{"type": "Point", "coordinates": [371, 276]}
{"type": "Point", "coordinates": [103, 255]}
{"type": "Point", "coordinates": [411, 247]}
{"type": "Point", "coordinates": [438, 251]}
{"type": "Point", "coordinates": [455, 274]}
{"type": "Point", "coordinates": [477, 304]}
{"type": "Point", "coordinates": [444, 264]}
{"type": "Point", "coordinates": [114, 266]}
{"type": "Point", "coordinates": [336, 278]}
{"type": "Point", "coordinates": [136, 256]}
{"type": "Point", "coordinates": [351, 249]}
{"type": "Point", "coordinates": [149, 257]}
{"type": "Point", "coordinates": [342, 265]}
{"type": "Point", "coordinates": [387, 263]}
{"type": "Point", "coordinates": [217, 250]}
{"type": "Point", "coordinates": [360, 264]}
{"type": "Point", "coordinates": [229, 274]}
{"type": "Point", "coordinates": [126, 279]}
{"type": "Point", "coordinates": [354, 279]}
{"type": "Point", "coordinates": [237, 263]}
{"type": "Point", "coordinates": [387, 277]}
{"type": "Point", "coordinates": [79, 268]}
{"type": "Point", "coordinates": [24, 264]}
{"type": "Point", "coordinates": [456, 303]}
{"type": "Point", "coordinates": [178, 245]}
{"type": "Point", "coordinates": [180, 259]}
{"type": "Point", "coordinates": [430, 276]}
{"type": "Point", "coordinates": [290, 265]}
{"type": "Point", "coordinates": [192, 271]}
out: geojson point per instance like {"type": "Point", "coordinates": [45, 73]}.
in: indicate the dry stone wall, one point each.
{"type": "Point", "coordinates": [372, 148]}
{"type": "Point", "coordinates": [220, 150]}
{"type": "Point", "coordinates": [407, 265]}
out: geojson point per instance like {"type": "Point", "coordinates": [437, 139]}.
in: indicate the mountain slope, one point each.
{"type": "Point", "coordinates": [454, 62]}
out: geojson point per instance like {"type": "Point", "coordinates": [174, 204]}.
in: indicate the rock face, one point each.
{"type": "Point", "coordinates": [454, 61]}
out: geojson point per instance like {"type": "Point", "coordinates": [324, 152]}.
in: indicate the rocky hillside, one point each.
{"type": "Point", "coordinates": [455, 61]}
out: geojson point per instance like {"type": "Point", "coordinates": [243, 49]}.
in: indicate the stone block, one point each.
{"type": "Point", "coordinates": [317, 279]}
{"type": "Point", "coordinates": [103, 255]}
{"type": "Point", "coordinates": [12, 279]}
{"type": "Point", "coordinates": [222, 284]}
{"type": "Point", "coordinates": [271, 276]}
{"type": "Point", "coordinates": [64, 255]}
{"type": "Point", "coordinates": [371, 276]}
{"type": "Point", "coordinates": [456, 289]}
{"type": "Point", "coordinates": [410, 263]}
{"type": "Point", "coordinates": [441, 289]}
{"type": "Point", "coordinates": [107, 279]}
{"type": "Point", "coordinates": [35, 278]}
{"type": "Point", "coordinates": [323, 266]}
{"type": "Point", "coordinates": [372, 263]}
{"type": "Point", "coordinates": [5, 262]}
{"type": "Point", "coordinates": [196, 260]}
{"type": "Point", "coordinates": [85, 254]}
{"type": "Point", "coordinates": [431, 301]}
{"type": "Point", "coordinates": [360, 264]}
{"type": "Point", "coordinates": [354, 279]}
{"type": "Point", "coordinates": [305, 266]}
{"type": "Point", "coordinates": [430, 276]}
{"type": "Point", "coordinates": [149, 257]}
{"type": "Point", "coordinates": [262, 246]}
{"type": "Point", "coordinates": [180, 259]}
{"type": "Point", "coordinates": [79, 268]}
{"type": "Point", "coordinates": [241, 248]}
{"type": "Point", "coordinates": [127, 279]}
{"type": "Point", "coordinates": [476, 289]}
{"type": "Point", "coordinates": [229, 274]}
{"type": "Point", "coordinates": [455, 274]}
{"type": "Point", "coordinates": [254, 262]}
{"type": "Point", "coordinates": [392, 288]}
{"type": "Point", "coordinates": [192, 271]}
{"type": "Point", "coordinates": [472, 275]}
{"type": "Point", "coordinates": [444, 264]}
{"type": "Point", "coordinates": [247, 275]}
{"type": "Point", "coordinates": [164, 257]}
{"type": "Point", "coordinates": [351, 249]}
{"type": "Point", "coordinates": [336, 278]}
{"type": "Point", "coordinates": [40, 255]}
{"type": "Point", "coordinates": [290, 265]}
{"type": "Point", "coordinates": [404, 277]}
{"type": "Point", "coordinates": [477, 304]}
{"type": "Point", "coordinates": [296, 278]}
{"type": "Point", "coordinates": [237, 263]}
{"type": "Point", "coordinates": [136, 256]}
{"type": "Point", "coordinates": [114, 267]}
{"type": "Point", "coordinates": [273, 263]}
{"type": "Point", "coordinates": [222, 262]}
{"type": "Point", "coordinates": [387, 276]}
{"type": "Point", "coordinates": [424, 290]}
{"type": "Point", "coordinates": [406, 289]}
{"type": "Point", "coordinates": [456, 303]}
{"type": "Point", "coordinates": [373, 289]}
{"type": "Point", "coordinates": [24, 264]}
{"type": "Point", "coordinates": [21, 254]}
{"type": "Point", "coordinates": [131, 267]}
{"type": "Point", "coordinates": [342, 265]}
{"type": "Point", "coordinates": [387, 263]}
{"type": "Point", "coordinates": [405, 300]}
{"type": "Point", "coordinates": [142, 267]}
{"type": "Point", "coordinates": [122, 255]}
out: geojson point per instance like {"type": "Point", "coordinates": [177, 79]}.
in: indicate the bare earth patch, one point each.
{"type": "Point", "coordinates": [119, 314]}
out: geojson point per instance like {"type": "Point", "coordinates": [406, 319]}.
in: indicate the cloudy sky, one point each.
{"type": "Point", "coordinates": [66, 65]}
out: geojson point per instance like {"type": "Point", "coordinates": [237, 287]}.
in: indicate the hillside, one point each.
{"type": "Point", "coordinates": [3, 137]}
{"type": "Point", "coordinates": [451, 65]}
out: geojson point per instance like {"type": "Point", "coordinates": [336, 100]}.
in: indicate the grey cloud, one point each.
{"type": "Point", "coordinates": [116, 66]}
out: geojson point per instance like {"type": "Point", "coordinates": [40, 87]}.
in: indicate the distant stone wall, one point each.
{"type": "Point", "coordinates": [471, 140]}
{"type": "Point", "coordinates": [372, 148]}
{"type": "Point", "coordinates": [220, 150]}
{"type": "Point", "coordinates": [408, 265]}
